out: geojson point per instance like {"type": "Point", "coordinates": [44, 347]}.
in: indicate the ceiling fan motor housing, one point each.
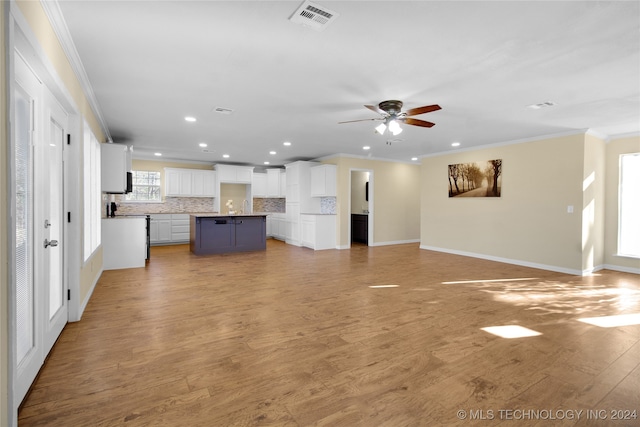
{"type": "Point", "coordinates": [392, 107]}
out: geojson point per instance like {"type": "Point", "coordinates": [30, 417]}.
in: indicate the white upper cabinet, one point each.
{"type": "Point", "coordinates": [259, 186]}
{"type": "Point", "coordinates": [323, 181]}
{"type": "Point", "coordinates": [274, 188]}
{"type": "Point", "coordinates": [234, 174]}
{"type": "Point", "coordinates": [189, 183]}
{"type": "Point", "coordinates": [283, 183]}
{"type": "Point", "coordinates": [115, 165]}
{"type": "Point", "coordinates": [203, 183]}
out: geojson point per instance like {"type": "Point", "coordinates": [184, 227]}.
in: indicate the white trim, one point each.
{"type": "Point", "coordinates": [506, 143]}
{"type": "Point", "coordinates": [624, 135]}
{"type": "Point", "coordinates": [137, 155]}
{"type": "Point", "coordinates": [621, 268]}
{"type": "Point", "coordinates": [355, 156]}
{"type": "Point", "coordinates": [395, 242]}
{"type": "Point", "coordinates": [505, 260]}
{"type": "Point", "coordinates": [59, 25]}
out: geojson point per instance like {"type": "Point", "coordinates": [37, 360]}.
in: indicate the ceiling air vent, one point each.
{"type": "Point", "coordinates": [314, 16]}
{"type": "Point", "coordinates": [545, 104]}
{"type": "Point", "coordinates": [221, 110]}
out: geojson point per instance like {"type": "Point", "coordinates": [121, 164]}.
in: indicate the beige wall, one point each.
{"type": "Point", "coordinates": [613, 150]}
{"type": "Point", "coordinates": [235, 192]}
{"type": "Point", "coordinates": [394, 200]}
{"type": "Point", "coordinates": [4, 201]}
{"type": "Point", "coordinates": [529, 223]}
{"type": "Point", "coordinates": [43, 31]}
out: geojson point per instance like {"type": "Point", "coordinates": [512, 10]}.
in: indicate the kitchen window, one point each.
{"type": "Point", "coordinates": [146, 187]}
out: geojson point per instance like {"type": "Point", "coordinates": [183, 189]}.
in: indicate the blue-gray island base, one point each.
{"type": "Point", "coordinates": [220, 234]}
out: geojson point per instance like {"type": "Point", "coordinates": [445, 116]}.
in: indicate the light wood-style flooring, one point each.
{"type": "Point", "coordinates": [384, 336]}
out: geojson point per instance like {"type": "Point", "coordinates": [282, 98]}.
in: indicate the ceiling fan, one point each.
{"type": "Point", "coordinates": [392, 113]}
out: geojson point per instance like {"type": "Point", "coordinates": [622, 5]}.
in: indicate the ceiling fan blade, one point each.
{"type": "Point", "coordinates": [362, 120]}
{"type": "Point", "coordinates": [422, 110]}
{"type": "Point", "coordinates": [417, 122]}
{"type": "Point", "coordinates": [375, 109]}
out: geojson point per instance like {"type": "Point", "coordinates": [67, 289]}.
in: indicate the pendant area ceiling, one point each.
{"type": "Point", "coordinates": [151, 63]}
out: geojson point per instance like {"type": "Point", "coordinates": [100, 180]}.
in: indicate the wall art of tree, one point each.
{"type": "Point", "coordinates": [476, 179]}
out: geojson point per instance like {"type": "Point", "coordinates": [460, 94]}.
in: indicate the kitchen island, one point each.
{"type": "Point", "coordinates": [219, 233]}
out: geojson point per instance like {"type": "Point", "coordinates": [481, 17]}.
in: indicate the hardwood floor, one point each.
{"type": "Point", "coordinates": [384, 336]}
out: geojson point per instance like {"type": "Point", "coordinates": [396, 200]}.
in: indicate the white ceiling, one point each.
{"type": "Point", "coordinates": [151, 63]}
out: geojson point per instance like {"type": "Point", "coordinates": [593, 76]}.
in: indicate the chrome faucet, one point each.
{"type": "Point", "coordinates": [248, 207]}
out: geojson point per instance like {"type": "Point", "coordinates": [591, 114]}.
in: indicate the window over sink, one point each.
{"type": "Point", "coordinates": [146, 187]}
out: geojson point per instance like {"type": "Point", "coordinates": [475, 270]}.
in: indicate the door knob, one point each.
{"type": "Point", "coordinates": [48, 243]}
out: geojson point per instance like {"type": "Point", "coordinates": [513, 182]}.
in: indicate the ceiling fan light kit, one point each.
{"type": "Point", "coordinates": [392, 114]}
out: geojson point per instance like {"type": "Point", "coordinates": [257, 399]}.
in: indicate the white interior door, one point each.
{"type": "Point", "coordinates": [40, 305]}
{"type": "Point", "coordinates": [50, 178]}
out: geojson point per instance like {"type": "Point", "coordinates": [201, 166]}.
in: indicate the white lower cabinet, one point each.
{"type": "Point", "coordinates": [276, 226]}
{"type": "Point", "coordinates": [160, 229]}
{"type": "Point", "coordinates": [318, 231]}
{"type": "Point", "coordinates": [169, 228]}
{"type": "Point", "coordinates": [179, 228]}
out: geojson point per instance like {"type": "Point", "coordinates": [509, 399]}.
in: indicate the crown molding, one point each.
{"type": "Point", "coordinates": [59, 25]}
{"type": "Point", "coordinates": [355, 156]}
{"type": "Point", "coordinates": [505, 143]}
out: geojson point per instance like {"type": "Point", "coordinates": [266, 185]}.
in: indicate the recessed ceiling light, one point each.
{"type": "Point", "coordinates": [266, 163]}
{"type": "Point", "coordinates": [226, 156]}
{"type": "Point", "coordinates": [366, 147]}
{"type": "Point", "coordinates": [272, 153]}
{"type": "Point", "coordinates": [287, 143]}
{"type": "Point", "coordinates": [455, 144]}
{"type": "Point", "coordinates": [157, 154]}
{"type": "Point", "coordinates": [202, 144]}
{"type": "Point", "coordinates": [190, 119]}
{"type": "Point", "coordinates": [414, 158]}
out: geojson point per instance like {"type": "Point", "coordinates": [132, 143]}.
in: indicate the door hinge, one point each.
{"type": "Point", "coordinates": [68, 294]}
{"type": "Point", "coordinates": [68, 216]}
{"type": "Point", "coordinates": [68, 139]}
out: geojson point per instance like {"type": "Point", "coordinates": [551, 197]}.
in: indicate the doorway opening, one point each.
{"type": "Point", "coordinates": [361, 207]}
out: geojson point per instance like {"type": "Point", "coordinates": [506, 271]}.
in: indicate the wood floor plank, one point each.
{"type": "Point", "coordinates": [371, 336]}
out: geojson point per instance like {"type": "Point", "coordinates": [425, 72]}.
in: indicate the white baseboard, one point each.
{"type": "Point", "coordinates": [622, 269]}
{"type": "Point", "coordinates": [395, 242]}
{"type": "Point", "coordinates": [506, 260]}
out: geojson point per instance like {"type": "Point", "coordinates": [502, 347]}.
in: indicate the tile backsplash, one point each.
{"type": "Point", "coordinates": [328, 205]}
{"type": "Point", "coordinates": [269, 205]}
{"type": "Point", "coordinates": [205, 204]}
{"type": "Point", "coordinates": [170, 205]}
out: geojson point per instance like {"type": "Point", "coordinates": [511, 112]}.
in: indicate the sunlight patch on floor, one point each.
{"type": "Point", "coordinates": [511, 331]}
{"type": "Point", "coordinates": [461, 282]}
{"type": "Point", "coordinates": [613, 321]}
